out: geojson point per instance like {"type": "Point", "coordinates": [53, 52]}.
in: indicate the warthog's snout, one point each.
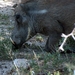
{"type": "Point", "coordinates": [15, 45]}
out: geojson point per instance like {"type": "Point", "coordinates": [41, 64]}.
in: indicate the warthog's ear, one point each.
{"type": "Point", "coordinates": [15, 5]}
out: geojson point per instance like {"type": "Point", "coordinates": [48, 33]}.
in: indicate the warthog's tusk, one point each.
{"type": "Point", "coordinates": [12, 41]}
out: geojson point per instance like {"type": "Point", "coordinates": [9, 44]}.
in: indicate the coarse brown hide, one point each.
{"type": "Point", "coordinates": [49, 17]}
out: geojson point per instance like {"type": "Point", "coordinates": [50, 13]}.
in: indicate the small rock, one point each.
{"type": "Point", "coordinates": [74, 72]}
{"type": "Point", "coordinates": [21, 63]}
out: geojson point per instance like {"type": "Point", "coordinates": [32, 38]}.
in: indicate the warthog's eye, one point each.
{"type": "Point", "coordinates": [18, 18]}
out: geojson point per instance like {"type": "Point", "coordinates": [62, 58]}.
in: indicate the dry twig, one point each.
{"type": "Point", "coordinates": [65, 38]}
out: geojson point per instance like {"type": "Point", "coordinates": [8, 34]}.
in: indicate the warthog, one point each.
{"type": "Point", "coordinates": [49, 17]}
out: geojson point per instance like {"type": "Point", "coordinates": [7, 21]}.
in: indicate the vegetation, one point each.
{"type": "Point", "coordinates": [3, 19]}
{"type": "Point", "coordinates": [5, 48]}
{"type": "Point", "coordinates": [41, 63]}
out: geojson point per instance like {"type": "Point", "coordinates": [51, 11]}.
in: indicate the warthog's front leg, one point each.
{"type": "Point", "coordinates": [53, 39]}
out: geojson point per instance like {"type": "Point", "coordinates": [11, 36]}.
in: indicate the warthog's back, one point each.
{"type": "Point", "coordinates": [61, 10]}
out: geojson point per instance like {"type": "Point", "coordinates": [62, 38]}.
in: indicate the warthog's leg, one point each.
{"type": "Point", "coordinates": [53, 39]}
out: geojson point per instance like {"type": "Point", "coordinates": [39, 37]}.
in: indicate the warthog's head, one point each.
{"type": "Point", "coordinates": [26, 22]}
{"type": "Point", "coordinates": [22, 29]}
